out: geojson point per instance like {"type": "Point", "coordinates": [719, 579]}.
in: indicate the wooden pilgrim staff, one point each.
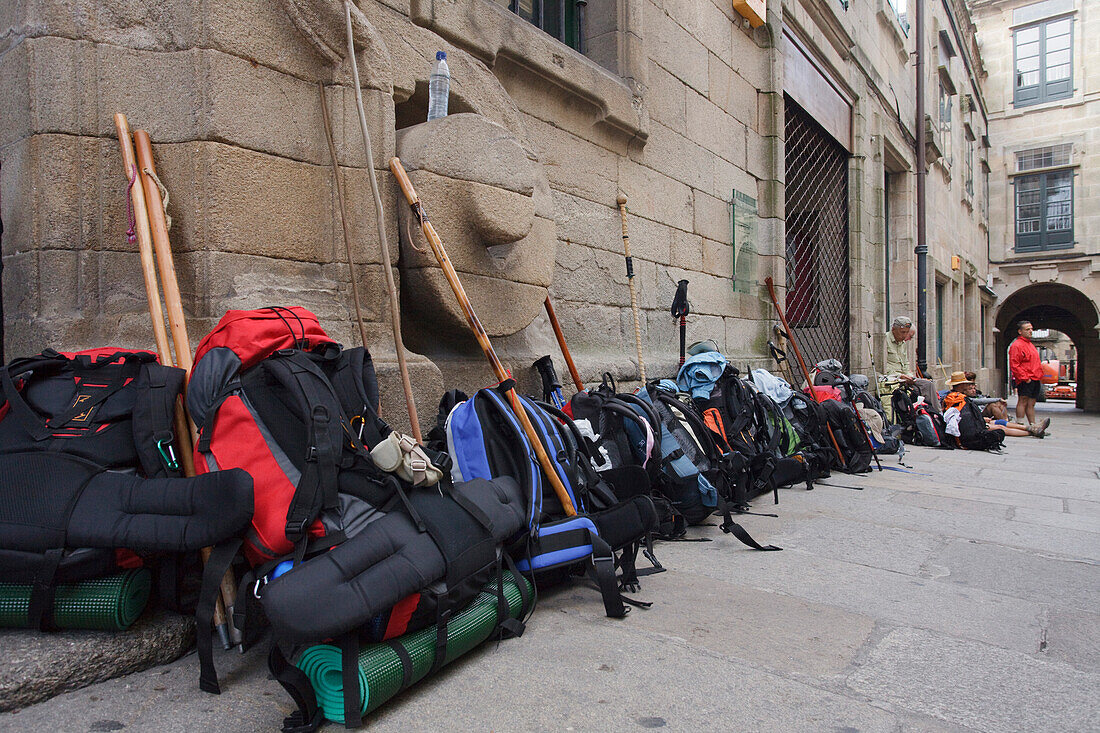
{"type": "Point", "coordinates": [479, 332]}
{"type": "Point", "coordinates": [141, 230]}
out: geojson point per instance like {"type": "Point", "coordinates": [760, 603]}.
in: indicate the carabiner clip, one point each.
{"type": "Point", "coordinates": [168, 454]}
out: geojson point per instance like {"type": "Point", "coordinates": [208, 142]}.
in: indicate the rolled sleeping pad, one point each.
{"type": "Point", "coordinates": [380, 668]}
{"type": "Point", "coordinates": [390, 558]}
{"type": "Point", "coordinates": [111, 603]}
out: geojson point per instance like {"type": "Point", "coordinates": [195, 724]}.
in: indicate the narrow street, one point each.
{"type": "Point", "coordinates": [965, 599]}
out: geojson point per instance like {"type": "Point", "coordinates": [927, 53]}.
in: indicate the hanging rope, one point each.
{"type": "Point", "coordinates": [163, 197]}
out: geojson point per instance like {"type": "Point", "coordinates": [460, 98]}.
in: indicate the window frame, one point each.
{"type": "Point", "coordinates": [983, 318]}
{"type": "Point", "coordinates": [1044, 240]}
{"type": "Point", "coordinates": [1040, 92]}
{"type": "Point", "coordinates": [945, 115]}
{"type": "Point", "coordinates": [566, 19]}
{"type": "Point", "coordinates": [941, 306]}
{"type": "Point", "coordinates": [969, 182]}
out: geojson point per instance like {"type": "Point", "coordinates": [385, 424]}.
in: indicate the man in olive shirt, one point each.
{"type": "Point", "coordinates": [898, 369]}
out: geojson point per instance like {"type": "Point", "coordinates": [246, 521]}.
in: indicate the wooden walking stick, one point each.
{"type": "Point", "coordinates": [561, 343]}
{"type": "Point", "coordinates": [141, 231]}
{"type": "Point", "coordinates": [479, 332]}
{"type": "Point", "coordinates": [177, 325]}
{"type": "Point", "coordinates": [391, 287]}
{"type": "Point", "coordinates": [802, 365]}
{"type": "Point", "coordinates": [630, 283]}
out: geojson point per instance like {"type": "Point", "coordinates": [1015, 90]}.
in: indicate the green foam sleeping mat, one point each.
{"type": "Point", "coordinates": [380, 670]}
{"type": "Point", "coordinates": [111, 603]}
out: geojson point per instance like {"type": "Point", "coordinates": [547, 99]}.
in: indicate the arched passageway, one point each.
{"type": "Point", "coordinates": [1063, 308]}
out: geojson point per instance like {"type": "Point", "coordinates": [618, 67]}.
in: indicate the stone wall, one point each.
{"type": "Point", "coordinates": [679, 106]}
{"type": "Point", "coordinates": [867, 49]}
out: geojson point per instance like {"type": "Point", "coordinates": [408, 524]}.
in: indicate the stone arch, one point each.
{"type": "Point", "coordinates": [1066, 309]}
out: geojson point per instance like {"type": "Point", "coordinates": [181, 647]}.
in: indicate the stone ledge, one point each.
{"type": "Point", "coordinates": [37, 666]}
{"type": "Point", "coordinates": [470, 24]}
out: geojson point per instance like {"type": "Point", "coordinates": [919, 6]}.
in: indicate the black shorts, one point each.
{"type": "Point", "coordinates": [1029, 389]}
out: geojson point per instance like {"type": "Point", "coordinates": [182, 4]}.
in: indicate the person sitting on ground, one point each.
{"type": "Point", "coordinates": [994, 408]}
{"type": "Point", "coordinates": [898, 369]}
{"type": "Point", "coordinates": [1013, 428]}
{"type": "Point", "coordinates": [972, 426]}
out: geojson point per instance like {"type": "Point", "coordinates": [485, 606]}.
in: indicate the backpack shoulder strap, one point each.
{"type": "Point", "coordinates": [325, 421]}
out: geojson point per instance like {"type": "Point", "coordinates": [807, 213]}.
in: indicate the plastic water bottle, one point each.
{"type": "Point", "coordinates": [439, 87]}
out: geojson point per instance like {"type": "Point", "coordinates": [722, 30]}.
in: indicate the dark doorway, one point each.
{"type": "Point", "coordinates": [1061, 308]}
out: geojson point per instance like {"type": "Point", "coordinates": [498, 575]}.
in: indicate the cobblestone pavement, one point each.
{"type": "Point", "coordinates": [962, 596]}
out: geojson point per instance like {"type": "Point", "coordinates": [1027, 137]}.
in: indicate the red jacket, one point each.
{"type": "Point", "coordinates": [1023, 360]}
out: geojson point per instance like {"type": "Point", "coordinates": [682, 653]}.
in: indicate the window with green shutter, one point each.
{"type": "Point", "coordinates": [1044, 62]}
{"type": "Point", "coordinates": [1044, 211]}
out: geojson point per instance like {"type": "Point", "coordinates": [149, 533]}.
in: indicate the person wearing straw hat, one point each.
{"type": "Point", "coordinates": [963, 385]}
{"type": "Point", "coordinates": [897, 367]}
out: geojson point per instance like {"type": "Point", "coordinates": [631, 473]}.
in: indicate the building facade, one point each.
{"type": "Point", "coordinates": [746, 148]}
{"type": "Point", "coordinates": [1043, 87]}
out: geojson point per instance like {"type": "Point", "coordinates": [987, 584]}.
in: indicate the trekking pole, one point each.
{"type": "Point", "coordinates": [680, 309]}
{"type": "Point", "coordinates": [391, 287]}
{"type": "Point", "coordinates": [479, 332]}
{"type": "Point", "coordinates": [561, 344]}
{"type": "Point", "coordinates": [630, 283]}
{"type": "Point", "coordinates": [779, 353]}
{"type": "Point", "coordinates": [551, 385]}
{"type": "Point", "coordinates": [802, 365]}
{"type": "Point", "coordinates": [141, 231]}
{"type": "Point", "coordinates": [177, 324]}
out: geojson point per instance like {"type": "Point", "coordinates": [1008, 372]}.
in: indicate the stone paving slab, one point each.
{"type": "Point", "coordinates": [965, 525]}
{"type": "Point", "coordinates": [969, 684]}
{"type": "Point", "coordinates": [1019, 574]}
{"type": "Point", "coordinates": [889, 596]}
{"type": "Point", "coordinates": [921, 603]}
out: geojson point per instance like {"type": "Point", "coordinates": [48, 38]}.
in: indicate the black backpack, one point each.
{"type": "Point", "coordinates": [737, 421]}
{"type": "Point", "coordinates": [92, 479]}
{"type": "Point", "coordinates": [693, 463]}
{"type": "Point", "coordinates": [973, 434]}
{"type": "Point", "coordinates": [809, 420]}
{"type": "Point", "coordinates": [339, 549]}
{"type": "Point", "coordinates": [486, 440]}
{"type": "Point", "coordinates": [849, 436]}
{"type": "Point", "coordinates": [796, 460]}
{"type": "Point", "coordinates": [919, 424]}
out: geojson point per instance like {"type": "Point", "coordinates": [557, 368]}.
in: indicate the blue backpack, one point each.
{"type": "Point", "coordinates": [485, 439]}
{"type": "Point", "coordinates": [689, 459]}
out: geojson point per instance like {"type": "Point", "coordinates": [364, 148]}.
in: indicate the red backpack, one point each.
{"type": "Point", "coordinates": [273, 394]}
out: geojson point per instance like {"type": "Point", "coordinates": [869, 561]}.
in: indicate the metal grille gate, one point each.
{"type": "Point", "coordinates": [817, 238]}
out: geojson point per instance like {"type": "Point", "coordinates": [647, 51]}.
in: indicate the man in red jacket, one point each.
{"type": "Point", "coordinates": [1023, 362]}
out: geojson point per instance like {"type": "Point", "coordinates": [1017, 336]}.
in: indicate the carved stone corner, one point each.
{"type": "Point", "coordinates": [490, 204]}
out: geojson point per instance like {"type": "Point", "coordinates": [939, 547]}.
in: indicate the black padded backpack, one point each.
{"type": "Point", "coordinates": [92, 477]}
